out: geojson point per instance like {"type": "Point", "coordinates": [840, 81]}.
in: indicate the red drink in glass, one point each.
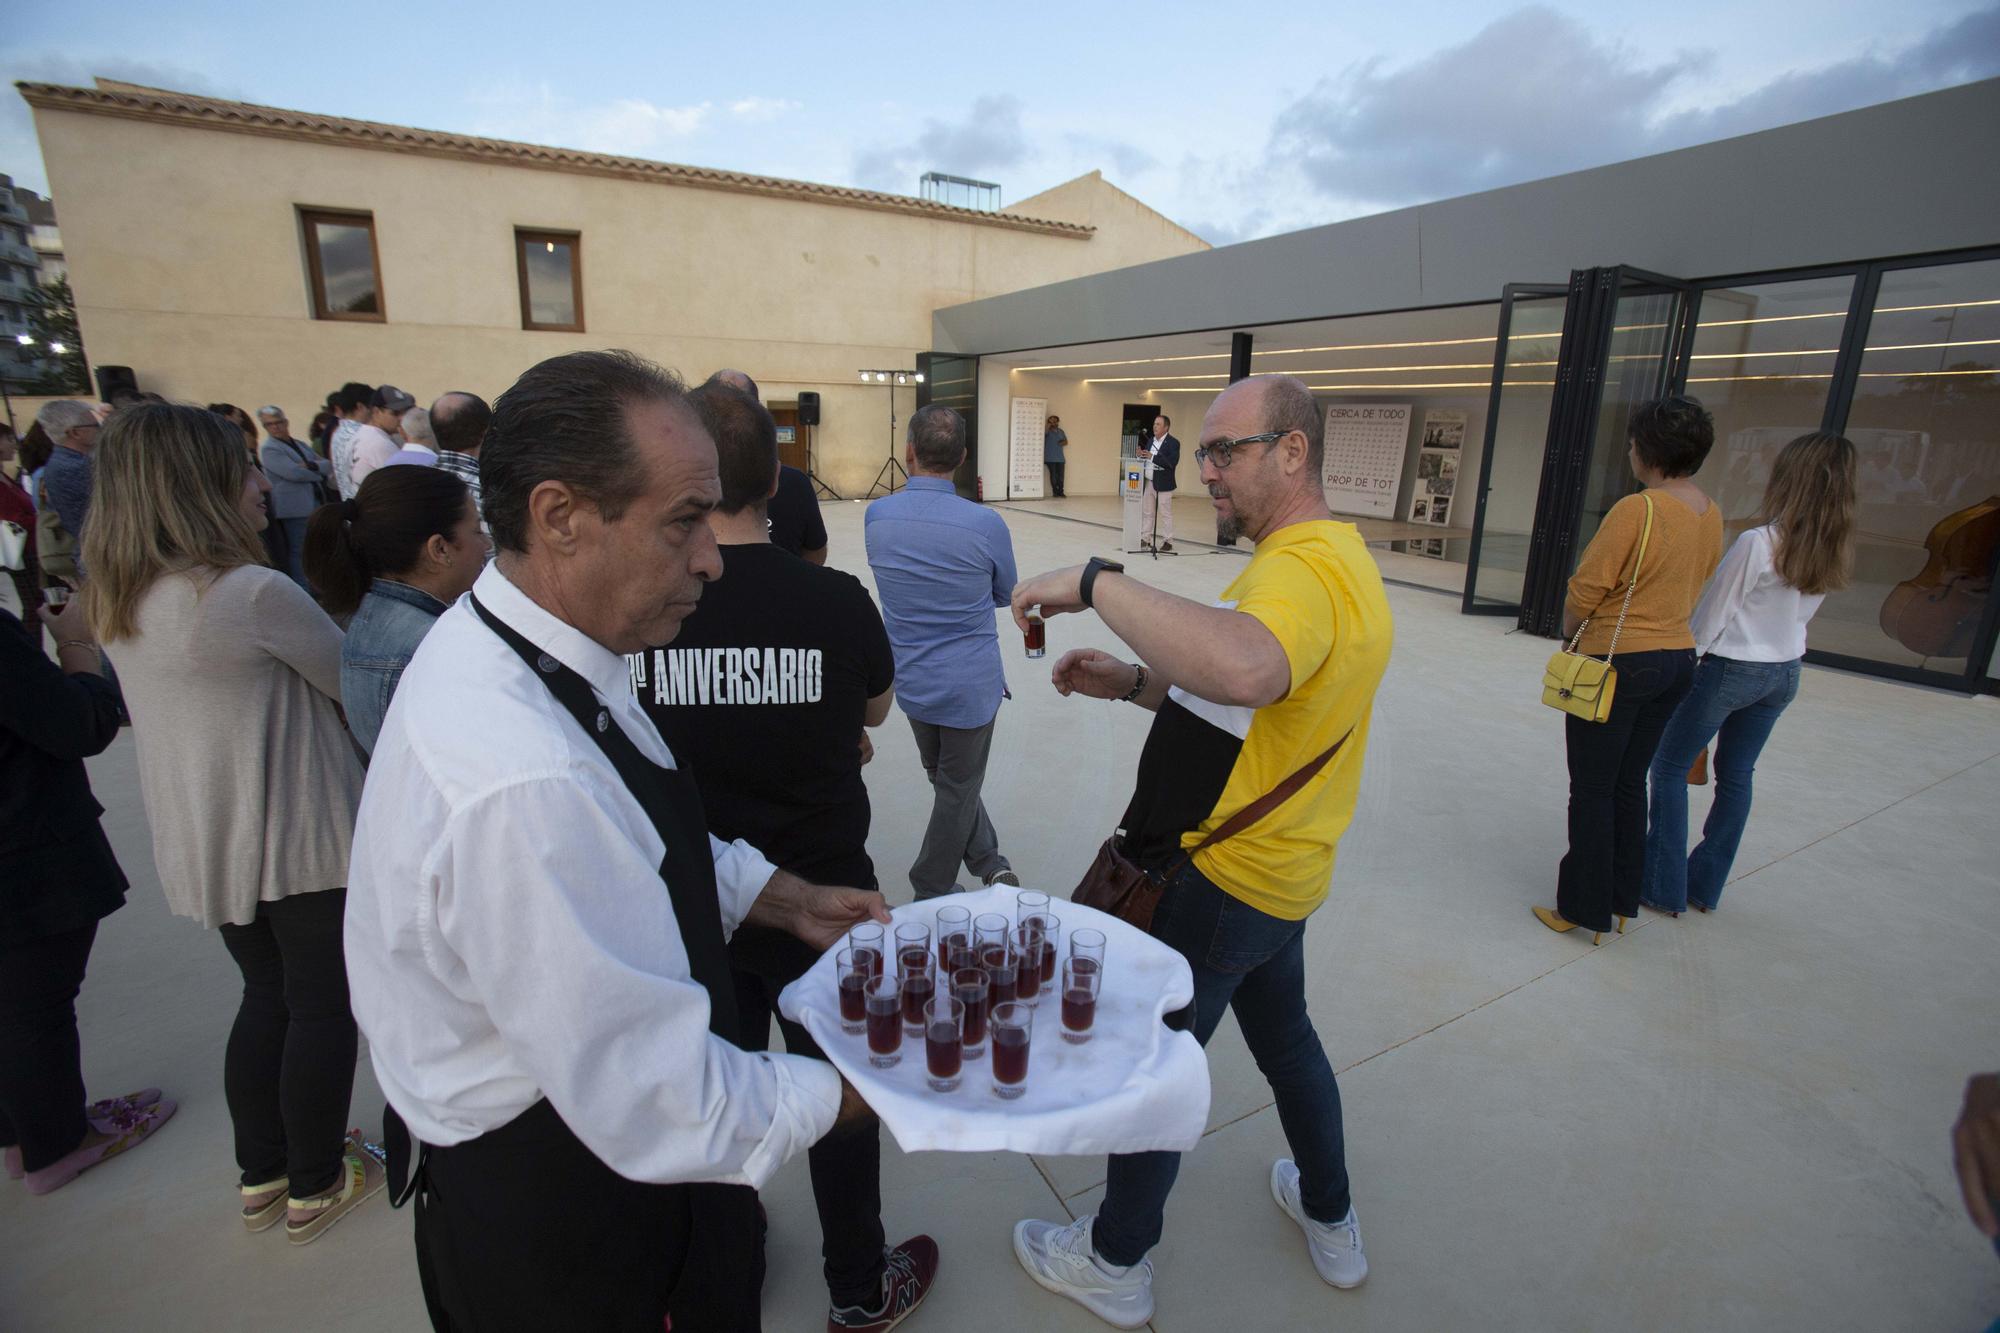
{"type": "Point", "coordinates": [1002, 976]}
{"type": "Point", "coordinates": [970, 987]}
{"type": "Point", "coordinates": [948, 947]}
{"type": "Point", "coordinates": [868, 960]}
{"type": "Point", "coordinates": [917, 990]}
{"type": "Point", "coordinates": [884, 997]}
{"type": "Point", "coordinates": [1028, 942]}
{"type": "Point", "coordinates": [1009, 1030]}
{"type": "Point", "coordinates": [943, 1031]}
{"type": "Point", "coordinates": [1037, 635]}
{"type": "Point", "coordinates": [1080, 982]}
{"type": "Point", "coordinates": [853, 1004]}
{"type": "Point", "coordinates": [914, 960]}
{"type": "Point", "coordinates": [1079, 1010]}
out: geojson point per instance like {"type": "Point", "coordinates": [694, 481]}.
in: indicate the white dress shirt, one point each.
{"type": "Point", "coordinates": [1749, 613]}
{"type": "Point", "coordinates": [508, 936]}
{"type": "Point", "coordinates": [372, 448]}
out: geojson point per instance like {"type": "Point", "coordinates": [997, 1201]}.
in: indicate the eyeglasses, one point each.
{"type": "Point", "coordinates": [1223, 451]}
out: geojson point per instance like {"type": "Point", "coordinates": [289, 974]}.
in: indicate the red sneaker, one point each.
{"type": "Point", "coordinates": [912, 1267]}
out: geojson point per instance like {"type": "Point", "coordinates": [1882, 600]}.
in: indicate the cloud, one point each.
{"type": "Point", "coordinates": [988, 139]}
{"type": "Point", "coordinates": [1127, 159]}
{"type": "Point", "coordinates": [759, 110]}
{"type": "Point", "coordinates": [628, 126]}
{"type": "Point", "coordinates": [1381, 136]}
{"type": "Point", "coordinates": [21, 151]}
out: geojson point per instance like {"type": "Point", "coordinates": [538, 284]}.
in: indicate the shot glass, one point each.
{"type": "Point", "coordinates": [944, 1031]}
{"type": "Point", "coordinates": [912, 937]}
{"type": "Point", "coordinates": [867, 942]}
{"type": "Point", "coordinates": [1087, 946]}
{"type": "Point", "coordinates": [1080, 982]}
{"type": "Point", "coordinates": [1037, 635]}
{"type": "Point", "coordinates": [1010, 1028]}
{"type": "Point", "coordinates": [1003, 973]}
{"type": "Point", "coordinates": [973, 991]}
{"type": "Point", "coordinates": [1029, 903]}
{"type": "Point", "coordinates": [919, 986]}
{"type": "Point", "coordinates": [1051, 928]}
{"type": "Point", "coordinates": [1028, 955]}
{"type": "Point", "coordinates": [988, 929]}
{"type": "Point", "coordinates": [954, 932]}
{"type": "Point", "coordinates": [853, 975]}
{"type": "Point", "coordinates": [55, 596]}
{"type": "Point", "coordinates": [884, 1004]}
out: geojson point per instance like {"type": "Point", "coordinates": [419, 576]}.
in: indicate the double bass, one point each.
{"type": "Point", "coordinates": [1936, 613]}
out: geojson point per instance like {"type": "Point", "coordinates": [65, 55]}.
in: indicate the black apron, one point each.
{"type": "Point", "coordinates": [523, 1227]}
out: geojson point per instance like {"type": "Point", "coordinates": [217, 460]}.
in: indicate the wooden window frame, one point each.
{"type": "Point", "coordinates": [339, 217]}
{"type": "Point", "coordinates": [523, 237]}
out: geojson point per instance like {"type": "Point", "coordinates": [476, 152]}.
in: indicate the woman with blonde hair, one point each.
{"type": "Point", "coordinates": [1750, 629]}
{"type": "Point", "coordinates": [250, 784]}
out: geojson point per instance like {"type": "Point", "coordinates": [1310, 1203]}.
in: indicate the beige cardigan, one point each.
{"type": "Point", "coordinates": [250, 780]}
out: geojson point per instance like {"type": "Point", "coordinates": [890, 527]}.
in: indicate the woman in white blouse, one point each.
{"type": "Point", "coordinates": [1750, 630]}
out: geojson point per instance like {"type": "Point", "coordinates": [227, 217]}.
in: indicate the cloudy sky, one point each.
{"type": "Point", "coordinates": [1235, 120]}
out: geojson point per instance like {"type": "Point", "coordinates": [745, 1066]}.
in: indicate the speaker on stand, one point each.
{"type": "Point", "coordinates": [114, 382]}
{"type": "Point", "coordinates": [809, 417]}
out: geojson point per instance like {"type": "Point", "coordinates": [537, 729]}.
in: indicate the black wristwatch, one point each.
{"type": "Point", "coordinates": [1097, 565]}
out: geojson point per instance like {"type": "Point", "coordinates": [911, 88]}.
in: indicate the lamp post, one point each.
{"type": "Point", "coordinates": [886, 480]}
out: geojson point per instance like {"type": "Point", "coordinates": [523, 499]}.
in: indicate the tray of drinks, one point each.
{"type": "Point", "coordinates": [1004, 1021]}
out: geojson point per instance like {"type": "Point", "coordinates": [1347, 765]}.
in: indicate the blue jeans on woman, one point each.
{"type": "Point", "coordinates": [1254, 963]}
{"type": "Point", "coordinates": [1738, 702]}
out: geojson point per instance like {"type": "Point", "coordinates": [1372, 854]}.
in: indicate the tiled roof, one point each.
{"type": "Point", "coordinates": [162, 106]}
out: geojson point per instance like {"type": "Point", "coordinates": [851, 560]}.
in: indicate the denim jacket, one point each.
{"type": "Point", "coordinates": [381, 639]}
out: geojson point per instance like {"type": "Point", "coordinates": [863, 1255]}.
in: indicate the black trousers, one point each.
{"type": "Point", "coordinates": [288, 1071]}
{"type": "Point", "coordinates": [1056, 477]}
{"type": "Point", "coordinates": [524, 1228]}
{"type": "Point", "coordinates": [846, 1165]}
{"type": "Point", "coordinates": [41, 1059]}
{"type": "Point", "coordinates": [1608, 761]}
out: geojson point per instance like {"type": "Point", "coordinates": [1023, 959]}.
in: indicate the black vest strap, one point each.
{"type": "Point", "coordinates": [671, 801]}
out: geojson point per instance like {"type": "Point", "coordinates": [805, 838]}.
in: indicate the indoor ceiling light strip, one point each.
{"type": "Point", "coordinates": [1330, 370]}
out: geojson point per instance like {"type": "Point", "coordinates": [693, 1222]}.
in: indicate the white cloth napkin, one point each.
{"type": "Point", "coordinates": [1135, 1086]}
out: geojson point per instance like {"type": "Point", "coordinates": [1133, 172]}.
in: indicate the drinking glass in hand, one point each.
{"type": "Point", "coordinates": [919, 985]}
{"type": "Point", "coordinates": [1037, 635]}
{"type": "Point", "coordinates": [1010, 1027]}
{"type": "Point", "coordinates": [944, 1030]}
{"type": "Point", "coordinates": [954, 932]}
{"type": "Point", "coordinates": [867, 942]}
{"type": "Point", "coordinates": [971, 989]}
{"type": "Point", "coordinates": [884, 1000]}
{"type": "Point", "coordinates": [853, 972]}
{"type": "Point", "coordinates": [1028, 953]}
{"type": "Point", "coordinates": [1080, 982]}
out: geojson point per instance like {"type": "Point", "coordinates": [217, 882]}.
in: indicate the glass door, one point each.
{"type": "Point", "coordinates": [954, 382]}
{"type": "Point", "coordinates": [1624, 331]}
{"type": "Point", "coordinates": [1517, 428]}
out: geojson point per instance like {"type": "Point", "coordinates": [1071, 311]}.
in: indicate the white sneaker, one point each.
{"type": "Point", "coordinates": [1059, 1259]}
{"type": "Point", "coordinates": [1335, 1246]}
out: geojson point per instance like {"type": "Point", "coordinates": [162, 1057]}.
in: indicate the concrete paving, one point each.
{"type": "Point", "coordinates": [1737, 1121]}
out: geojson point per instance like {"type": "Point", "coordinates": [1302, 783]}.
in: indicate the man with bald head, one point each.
{"type": "Point", "coordinates": [1270, 686]}
{"type": "Point", "coordinates": [458, 422]}
{"type": "Point", "coordinates": [793, 513]}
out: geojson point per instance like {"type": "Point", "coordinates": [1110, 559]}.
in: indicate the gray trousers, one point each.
{"type": "Point", "coordinates": [955, 761]}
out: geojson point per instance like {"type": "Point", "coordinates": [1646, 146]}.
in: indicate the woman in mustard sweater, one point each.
{"type": "Point", "coordinates": [1599, 877]}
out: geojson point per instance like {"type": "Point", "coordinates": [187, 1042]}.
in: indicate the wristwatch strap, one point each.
{"type": "Point", "coordinates": [1096, 566]}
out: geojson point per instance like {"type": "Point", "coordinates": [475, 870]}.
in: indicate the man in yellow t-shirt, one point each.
{"type": "Point", "coordinates": [1248, 691]}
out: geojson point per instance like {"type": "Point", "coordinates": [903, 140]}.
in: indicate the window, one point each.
{"type": "Point", "coordinates": [345, 270]}
{"type": "Point", "coordinates": [551, 269]}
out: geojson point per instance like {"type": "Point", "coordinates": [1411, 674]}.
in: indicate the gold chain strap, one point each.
{"type": "Point", "coordinates": [1619, 628]}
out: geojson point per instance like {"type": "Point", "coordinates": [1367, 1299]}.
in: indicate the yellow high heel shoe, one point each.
{"type": "Point", "coordinates": [1551, 918]}
{"type": "Point", "coordinates": [1621, 920]}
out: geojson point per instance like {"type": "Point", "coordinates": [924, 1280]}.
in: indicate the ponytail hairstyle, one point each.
{"type": "Point", "coordinates": [1809, 504]}
{"type": "Point", "coordinates": [381, 532]}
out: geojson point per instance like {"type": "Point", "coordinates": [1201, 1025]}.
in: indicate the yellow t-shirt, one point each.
{"type": "Point", "coordinates": [1318, 591]}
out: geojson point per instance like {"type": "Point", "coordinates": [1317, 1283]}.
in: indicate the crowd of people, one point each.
{"type": "Point", "coordinates": [574, 725]}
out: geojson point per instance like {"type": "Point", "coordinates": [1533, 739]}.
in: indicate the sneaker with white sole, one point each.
{"type": "Point", "coordinates": [1335, 1246]}
{"type": "Point", "coordinates": [1058, 1258]}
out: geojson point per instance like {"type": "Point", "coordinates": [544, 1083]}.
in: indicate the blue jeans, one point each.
{"type": "Point", "coordinates": [1254, 963]}
{"type": "Point", "coordinates": [1740, 701]}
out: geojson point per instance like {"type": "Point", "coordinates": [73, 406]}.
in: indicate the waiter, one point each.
{"type": "Point", "coordinates": [537, 915]}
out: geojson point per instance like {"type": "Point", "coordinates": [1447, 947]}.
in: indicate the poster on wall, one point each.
{"type": "Point", "coordinates": [1364, 457]}
{"type": "Point", "coordinates": [1026, 420]}
{"type": "Point", "coordinates": [1437, 470]}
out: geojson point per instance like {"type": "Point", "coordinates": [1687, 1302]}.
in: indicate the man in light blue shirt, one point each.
{"type": "Point", "coordinates": [942, 563]}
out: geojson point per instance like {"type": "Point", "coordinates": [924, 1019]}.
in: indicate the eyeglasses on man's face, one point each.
{"type": "Point", "coordinates": [1223, 451]}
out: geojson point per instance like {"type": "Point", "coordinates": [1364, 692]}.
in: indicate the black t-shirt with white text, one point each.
{"type": "Point", "coordinates": [794, 514]}
{"type": "Point", "coordinates": [762, 694]}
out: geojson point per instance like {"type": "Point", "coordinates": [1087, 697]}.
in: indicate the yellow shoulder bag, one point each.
{"type": "Point", "coordinates": [1583, 686]}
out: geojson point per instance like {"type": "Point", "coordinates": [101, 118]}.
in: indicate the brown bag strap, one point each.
{"type": "Point", "coordinates": [1258, 808]}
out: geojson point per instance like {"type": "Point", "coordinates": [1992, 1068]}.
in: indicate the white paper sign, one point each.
{"type": "Point", "coordinates": [1364, 457]}
{"type": "Point", "coordinates": [1027, 424]}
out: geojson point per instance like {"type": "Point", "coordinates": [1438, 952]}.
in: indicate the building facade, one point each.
{"type": "Point", "coordinates": [19, 276]}
{"type": "Point", "coordinates": [1479, 357]}
{"type": "Point", "coordinates": [251, 254]}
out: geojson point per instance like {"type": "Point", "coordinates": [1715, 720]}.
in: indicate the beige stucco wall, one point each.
{"type": "Point", "coordinates": [185, 251]}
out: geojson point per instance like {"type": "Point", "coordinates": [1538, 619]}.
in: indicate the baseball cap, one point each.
{"type": "Point", "coordinates": [393, 398]}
